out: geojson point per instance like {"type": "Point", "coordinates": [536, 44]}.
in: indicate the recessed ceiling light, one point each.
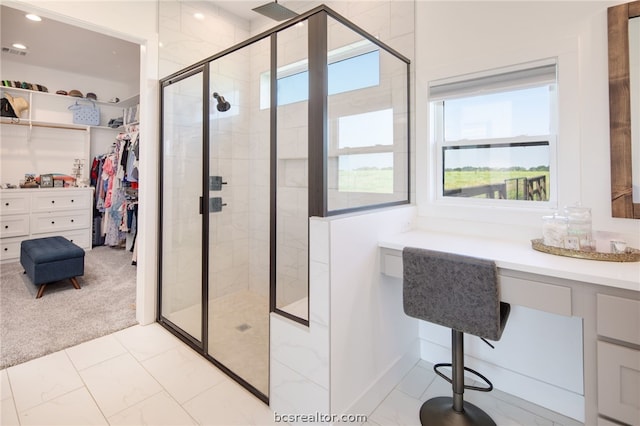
{"type": "Point", "coordinates": [33, 17]}
{"type": "Point", "coordinates": [199, 16]}
{"type": "Point", "coordinates": [19, 46]}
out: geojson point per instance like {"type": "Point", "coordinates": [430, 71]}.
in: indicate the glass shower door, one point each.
{"type": "Point", "coordinates": [239, 193]}
{"type": "Point", "coordinates": [181, 218]}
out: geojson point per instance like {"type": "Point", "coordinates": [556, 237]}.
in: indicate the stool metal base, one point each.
{"type": "Point", "coordinates": [439, 411]}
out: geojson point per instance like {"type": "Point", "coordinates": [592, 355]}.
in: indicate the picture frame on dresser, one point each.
{"type": "Point", "coordinates": [46, 181]}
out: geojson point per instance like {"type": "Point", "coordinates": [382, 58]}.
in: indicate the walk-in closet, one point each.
{"type": "Point", "coordinates": [74, 129]}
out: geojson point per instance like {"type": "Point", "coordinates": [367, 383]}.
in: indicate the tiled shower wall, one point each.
{"type": "Point", "coordinates": [229, 158]}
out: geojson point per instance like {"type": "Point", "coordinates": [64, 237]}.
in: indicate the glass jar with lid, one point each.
{"type": "Point", "coordinates": [554, 230]}
{"type": "Point", "coordinates": [579, 232]}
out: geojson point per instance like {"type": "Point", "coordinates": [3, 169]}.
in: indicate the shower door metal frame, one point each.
{"type": "Point", "coordinates": [199, 346]}
{"type": "Point", "coordinates": [318, 148]}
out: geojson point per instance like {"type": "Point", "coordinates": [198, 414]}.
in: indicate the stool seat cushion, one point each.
{"type": "Point", "coordinates": [51, 259]}
{"type": "Point", "coordinates": [455, 291]}
{"type": "Point", "coordinates": [50, 249]}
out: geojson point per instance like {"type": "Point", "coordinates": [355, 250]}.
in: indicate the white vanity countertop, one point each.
{"type": "Point", "coordinates": [519, 256]}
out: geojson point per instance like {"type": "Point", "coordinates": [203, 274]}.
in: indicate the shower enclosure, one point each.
{"type": "Point", "coordinates": [310, 118]}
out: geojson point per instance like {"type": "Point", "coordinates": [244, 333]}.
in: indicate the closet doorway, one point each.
{"type": "Point", "coordinates": [44, 75]}
{"type": "Point", "coordinates": [215, 213]}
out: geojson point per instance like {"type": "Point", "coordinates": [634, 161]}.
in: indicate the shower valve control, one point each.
{"type": "Point", "coordinates": [216, 204]}
{"type": "Point", "coordinates": [215, 183]}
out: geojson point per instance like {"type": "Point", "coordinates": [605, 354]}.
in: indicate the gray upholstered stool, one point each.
{"type": "Point", "coordinates": [461, 293]}
{"type": "Point", "coordinates": [50, 259]}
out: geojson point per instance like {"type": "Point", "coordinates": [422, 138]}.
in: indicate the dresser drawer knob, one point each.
{"type": "Point", "coordinates": [6, 204]}
{"type": "Point", "coordinates": [6, 227]}
{"type": "Point", "coordinates": [72, 201]}
{"type": "Point", "coordinates": [52, 222]}
{"type": "Point", "coordinates": [53, 201]}
{"type": "Point", "coordinates": [71, 220]}
{"type": "Point", "coordinates": [6, 249]}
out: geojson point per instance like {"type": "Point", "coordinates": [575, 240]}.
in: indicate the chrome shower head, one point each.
{"type": "Point", "coordinates": [275, 11]}
{"type": "Point", "coordinates": [223, 105]}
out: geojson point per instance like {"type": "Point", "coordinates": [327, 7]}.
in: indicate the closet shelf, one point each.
{"type": "Point", "coordinates": [49, 125]}
{"type": "Point", "coordinates": [117, 129]}
{"type": "Point", "coordinates": [130, 100]}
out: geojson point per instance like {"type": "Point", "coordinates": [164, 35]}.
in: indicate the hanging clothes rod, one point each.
{"type": "Point", "coordinates": [46, 125]}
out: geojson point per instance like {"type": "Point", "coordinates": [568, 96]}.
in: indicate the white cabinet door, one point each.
{"type": "Point", "coordinates": [619, 383]}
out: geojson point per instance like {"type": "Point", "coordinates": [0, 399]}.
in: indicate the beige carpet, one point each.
{"type": "Point", "coordinates": [64, 317]}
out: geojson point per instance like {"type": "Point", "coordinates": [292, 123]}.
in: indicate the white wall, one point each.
{"type": "Point", "coordinates": [456, 38]}
{"type": "Point", "coordinates": [379, 344]}
{"type": "Point", "coordinates": [40, 151]}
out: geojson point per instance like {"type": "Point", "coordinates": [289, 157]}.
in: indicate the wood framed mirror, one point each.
{"type": "Point", "coordinates": [623, 144]}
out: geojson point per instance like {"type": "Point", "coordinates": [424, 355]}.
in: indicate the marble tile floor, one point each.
{"type": "Point", "coordinates": [402, 405]}
{"type": "Point", "coordinates": [146, 376]}
{"type": "Point", "coordinates": [136, 376]}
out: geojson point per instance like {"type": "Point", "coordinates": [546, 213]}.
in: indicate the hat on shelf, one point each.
{"type": "Point", "coordinates": [76, 93]}
{"type": "Point", "coordinates": [24, 85]}
{"type": "Point", "coordinates": [18, 104]}
{"type": "Point", "coordinates": [61, 92]}
{"type": "Point", "coordinates": [92, 95]}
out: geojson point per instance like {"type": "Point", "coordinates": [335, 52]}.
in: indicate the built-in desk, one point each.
{"type": "Point", "coordinates": [605, 295]}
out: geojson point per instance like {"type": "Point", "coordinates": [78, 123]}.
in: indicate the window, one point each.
{"type": "Point", "coordinates": [355, 72]}
{"type": "Point", "coordinates": [365, 152]}
{"type": "Point", "coordinates": [495, 135]}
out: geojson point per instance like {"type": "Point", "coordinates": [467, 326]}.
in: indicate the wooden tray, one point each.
{"type": "Point", "coordinates": [630, 255]}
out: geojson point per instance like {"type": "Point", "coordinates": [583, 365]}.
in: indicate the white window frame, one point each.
{"type": "Point", "coordinates": [436, 113]}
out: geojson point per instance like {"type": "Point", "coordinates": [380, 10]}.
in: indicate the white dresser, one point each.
{"type": "Point", "coordinates": [37, 213]}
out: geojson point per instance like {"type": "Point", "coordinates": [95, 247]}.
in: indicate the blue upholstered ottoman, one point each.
{"type": "Point", "coordinates": [50, 259]}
